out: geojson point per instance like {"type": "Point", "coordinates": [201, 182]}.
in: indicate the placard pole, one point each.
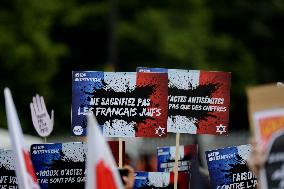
{"type": "Point", "coordinates": [176, 161]}
{"type": "Point", "coordinates": [120, 149]}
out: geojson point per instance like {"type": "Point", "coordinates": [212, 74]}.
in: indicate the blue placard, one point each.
{"type": "Point", "coordinates": [228, 169]}
{"type": "Point", "coordinates": [166, 157]}
{"type": "Point", "coordinates": [60, 164]}
{"type": "Point", "coordinates": [83, 84]}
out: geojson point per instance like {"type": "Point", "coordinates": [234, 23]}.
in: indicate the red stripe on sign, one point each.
{"type": "Point", "coordinates": [155, 126]}
{"type": "Point", "coordinates": [222, 81]}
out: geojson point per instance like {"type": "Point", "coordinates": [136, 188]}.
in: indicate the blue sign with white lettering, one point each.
{"type": "Point", "coordinates": [227, 168]}
{"type": "Point", "coordinates": [60, 165]}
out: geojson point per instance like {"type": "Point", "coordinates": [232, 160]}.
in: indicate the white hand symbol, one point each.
{"type": "Point", "coordinates": [40, 117]}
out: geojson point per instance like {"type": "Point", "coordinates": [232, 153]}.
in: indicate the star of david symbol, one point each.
{"type": "Point", "coordinates": [221, 129]}
{"type": "Point", "coordinates": [160, 131]}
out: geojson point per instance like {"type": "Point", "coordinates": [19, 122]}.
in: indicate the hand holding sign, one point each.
{"type": "Point", "coordinates": [42, 122]}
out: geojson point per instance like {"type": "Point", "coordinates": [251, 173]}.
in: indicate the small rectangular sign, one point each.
{"type": "Point", "coordinates": [166, 157]}
{"type": "Point", "coordinates": [264, 97]}
{"type": "Point", "coordinates": [267, 123]}
{"type": "Point", "coordinates": [63, 164]}
{"type": "Point", "coordinates": [150, 180]}
{"type": "Point", "coordinates": [228, 168]}
{"type": "Point", "coordinates": [60, 164]}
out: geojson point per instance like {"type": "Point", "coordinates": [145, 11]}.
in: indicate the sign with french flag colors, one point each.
{"type": "Point", "coordinates": [198, 101]}
{"type": "Point", "coordinates": [126, 104]}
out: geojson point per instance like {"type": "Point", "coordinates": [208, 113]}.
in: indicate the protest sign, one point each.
{"type": "Point", "coordinates": [43, 123]}
{"type": "Point", "coordinates": [166, 158]}
{"type": "Point", "coordinates": [151, 180]}
{"type": "Point", "coordinates": [228, 169]}
{"type": "Point", "coordinates": [273, 171]}
{"type": "Point", "coordinates": [198, 101]}
{"type": "Point", "coordinates": [266, 123]}
{"type": "Point", "coordinates": [60, 164]}
{"type": "Point", "coordinates": [63, 164]}
{"type": "Point", "coordinates": [8, 178]}
{"type": "Point", "coordinates": [264, 97]}
{"type": "Point", "coordinates": [125, 104]}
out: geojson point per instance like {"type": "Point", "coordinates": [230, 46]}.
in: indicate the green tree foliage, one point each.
{"type": "Point", "coordinates": [41, 42]}
{"type": "Point", "coordinates": [29, 58]}
{"type": "Point", "coordinates": [181, 34]}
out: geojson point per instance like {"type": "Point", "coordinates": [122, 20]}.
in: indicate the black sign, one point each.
{"type": "Point", "coordinates": [273, 173]}
{"type": "Point", "coordinates": [8, 178]}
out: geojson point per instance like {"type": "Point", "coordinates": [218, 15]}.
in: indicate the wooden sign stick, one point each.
{"type": "Point", "coordinates": [176, 161]}
{"type": "Point", "coordinates": [120, 151]}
